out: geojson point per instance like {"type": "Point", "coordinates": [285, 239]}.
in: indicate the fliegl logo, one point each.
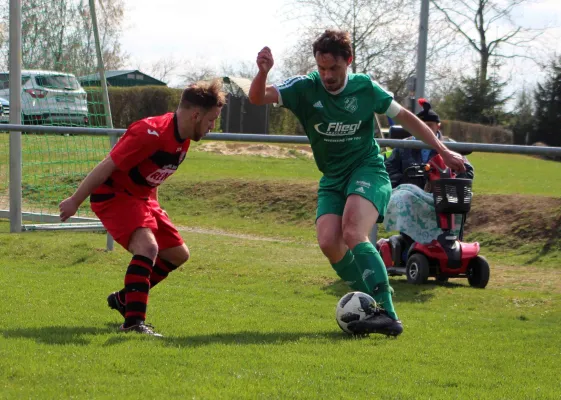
{"type": "Point", "coordinates": [337, 129]}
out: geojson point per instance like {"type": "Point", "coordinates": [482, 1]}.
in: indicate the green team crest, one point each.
{"type": "Point", "coordinates": [351, 104]}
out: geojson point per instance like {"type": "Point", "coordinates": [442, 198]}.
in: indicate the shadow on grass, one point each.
{"type": "Point", "coordinates": [80, 335]}
{"type": "Point", "coordinates": [259, 338]}
{"type": "Point", "coordinates": [404, 292]}
{"type": "Point", "coordinates": [60, 335]}
{"type": "Point", "coordinates": [549, 247]}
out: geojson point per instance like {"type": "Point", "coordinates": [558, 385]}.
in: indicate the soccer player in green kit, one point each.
{"type": "Point", "coordinates": [337, 109]}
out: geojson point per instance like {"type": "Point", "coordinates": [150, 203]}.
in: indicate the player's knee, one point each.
{"type": "Point", "coordinates": [352, 236]}
{"type": "Point", "coordinates": [149, 250]}
{"type": "Point", "coordinates": [328, 242]}
{"type": "Point", "coordinates": [144, 243]}
{"type": "Point", "coordinates": [182, 256]}
{"type": "Point", "coordinates": [176, 255]}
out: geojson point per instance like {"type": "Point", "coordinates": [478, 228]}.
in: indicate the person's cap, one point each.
{"type": "Point", "coordinates": [427, 114]}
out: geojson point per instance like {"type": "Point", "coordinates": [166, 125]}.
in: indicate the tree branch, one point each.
{"type": "Point", "coordinates": [457, 26]}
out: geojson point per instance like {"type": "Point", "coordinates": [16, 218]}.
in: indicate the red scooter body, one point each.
{"type": "Point", "coordinates": [447, 256]}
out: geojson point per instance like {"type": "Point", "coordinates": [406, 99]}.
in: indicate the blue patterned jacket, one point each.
{"type": "Point", "coordinates": [401, 159]}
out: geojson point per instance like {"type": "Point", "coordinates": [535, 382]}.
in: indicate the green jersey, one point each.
{"type": "Point", "coordinates": [340, 125]}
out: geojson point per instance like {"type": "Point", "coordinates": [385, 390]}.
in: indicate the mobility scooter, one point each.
{"type": "Point", "coordinates": [447, 256]}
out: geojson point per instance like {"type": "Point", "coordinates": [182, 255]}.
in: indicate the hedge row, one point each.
{"type": "Point", "coordinates": [475, 133]}
{"type": "Point", "coordinates": [129, 104]}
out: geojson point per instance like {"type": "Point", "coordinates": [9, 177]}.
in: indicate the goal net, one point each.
{"type": "Point", "coordinates": [61, 87]}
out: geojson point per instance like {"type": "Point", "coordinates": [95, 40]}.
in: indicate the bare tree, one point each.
{"type": "Point", "coordinates": [163, 68]}
{"type": "Point", "coordinates": [194, 71]}
{"type": "Point", "coordinates": [242, 69]}
{"type": "Point", "coordinates": [384, 38]}
{"type": "Point", "coordinates": [110, 21]}
{"type": "Point", "coordinates": [477, 20]}
{"type": "Point", "coordinates": [57, 34]}
{"type": "Point", "coordinates": [379, 30]}
{"type": "Point", "coordinates": [298, 60]}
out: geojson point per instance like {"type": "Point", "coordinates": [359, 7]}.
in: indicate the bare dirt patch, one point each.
{"type": "Point", "coordinates": [257, 149]}
{"type": "Point", "coordinates": [525, 217]}
{"type": "Point", "coordinates": [289, 202]}
{"type": "Point", "coordinates": [219, 232]}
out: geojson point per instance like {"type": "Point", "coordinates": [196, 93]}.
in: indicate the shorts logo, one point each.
{"type": "Point", "coordinates": [363, 183]}
{"type": "Point", "coordinates": [360, 189]}
{"type": "Point", "coordinates": [351, 104]}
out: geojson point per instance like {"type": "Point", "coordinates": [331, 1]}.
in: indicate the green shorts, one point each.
{"type": "Point", "coordinates": [369, 180]}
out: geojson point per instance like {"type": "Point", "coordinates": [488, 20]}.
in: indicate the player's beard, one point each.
{"type": "Point", "coordinates": [333, 85]}
{"type": "Point", "coordinates": [200, 132]}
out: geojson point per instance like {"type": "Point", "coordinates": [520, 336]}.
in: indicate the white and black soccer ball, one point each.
{"type": "Point", "coordinates": [353, 306]}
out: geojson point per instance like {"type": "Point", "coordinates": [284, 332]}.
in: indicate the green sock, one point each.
{"type": "Point", "coordinates": [374, 273]}
{"type": "Point", "coordinates": [348, 272]}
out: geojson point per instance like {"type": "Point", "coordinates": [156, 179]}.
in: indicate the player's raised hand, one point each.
{"type": "Point", "coordinates": [68, 208]}
{"type": "Point", "coordinates": [265, 60]}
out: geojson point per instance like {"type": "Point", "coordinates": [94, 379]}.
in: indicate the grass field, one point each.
{"type": "Point", "coordinates": [255, 319]}
{"type": "Point", "coordinates": [251, 315]}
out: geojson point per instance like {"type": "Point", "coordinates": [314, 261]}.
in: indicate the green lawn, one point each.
{"type": "Point", "coordinates": [516, 174]}
{"type": "Point", "coordinates": [253, 319]}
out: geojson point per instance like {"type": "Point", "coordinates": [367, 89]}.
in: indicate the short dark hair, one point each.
{"type": "Point", "coordinates": [204, 94]}
{"type": "Point", "coordinates": [334, 42]}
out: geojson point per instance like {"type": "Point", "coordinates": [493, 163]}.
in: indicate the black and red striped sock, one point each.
{"type": "Point", "coordinates": [161, 270]}
{"type": "Point", "coordinates": [137, 286]}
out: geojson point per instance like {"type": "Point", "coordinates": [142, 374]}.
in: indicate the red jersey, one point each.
{"type": "Point", "coordinates": [146, 155]}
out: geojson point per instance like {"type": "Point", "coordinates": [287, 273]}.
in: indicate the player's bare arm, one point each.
{"type": "Point", "coordinates": [95, 178]}
{"type": "Point", "coordinates": [260, 93]}
{"type": "Point", "coordinates": [421, 131]}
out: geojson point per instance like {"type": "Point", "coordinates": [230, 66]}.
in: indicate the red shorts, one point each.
{"type": "Point", "coordinates": [122, 214]}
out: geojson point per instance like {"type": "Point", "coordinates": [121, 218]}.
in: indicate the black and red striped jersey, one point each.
{"type": "Point", "coordinates": [146, 155]}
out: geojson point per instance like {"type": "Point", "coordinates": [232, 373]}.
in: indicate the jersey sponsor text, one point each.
{"type": "Point", "coordinates": [338, 129]}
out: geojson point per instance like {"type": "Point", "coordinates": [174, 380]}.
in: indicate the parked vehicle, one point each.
{"type": "Point", "coordinates": [49, 98]}
{"type": "Point", "coordinates": [4, 111]}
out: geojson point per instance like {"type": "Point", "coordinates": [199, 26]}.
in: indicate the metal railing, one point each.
{"type": "Point", "coordinates": [294, 139]}
{"type": "Point", "coordinates": [16, 213]}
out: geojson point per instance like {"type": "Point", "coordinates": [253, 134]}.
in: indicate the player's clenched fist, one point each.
{"type": "Point", "coordinates": [67, 208]}
{"type": "Point", "coordinates": [265, 60]}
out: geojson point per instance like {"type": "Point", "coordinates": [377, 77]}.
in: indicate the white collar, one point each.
{"type": "Point", "coordinates": [338, 90]}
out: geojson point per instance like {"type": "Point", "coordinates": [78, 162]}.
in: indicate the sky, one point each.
{"type": "Point", "coordinates": [219, 32]}
{"type": "Point", "coordinates": [215, 31]}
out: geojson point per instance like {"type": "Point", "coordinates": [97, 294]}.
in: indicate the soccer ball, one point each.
{"type": "Point", "coordinates": [353, 306]}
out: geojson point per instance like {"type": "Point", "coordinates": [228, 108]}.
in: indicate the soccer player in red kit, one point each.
{"type": "Point", "coordinates": [123, 194]}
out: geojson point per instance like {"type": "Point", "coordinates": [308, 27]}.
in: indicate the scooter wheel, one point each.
{"type": "Point", "coordinates": [478, 272]}
{"type": "Point", "coordinates": [417, 269]}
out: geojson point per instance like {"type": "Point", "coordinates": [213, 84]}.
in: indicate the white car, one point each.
{"type": "Point", "coordinates": [4, 111]}
{"type": "Point", "coordinates": [49, 98]}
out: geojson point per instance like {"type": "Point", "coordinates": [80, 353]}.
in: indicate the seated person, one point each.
{"type": "Point", "coordinates": [411, 208]}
